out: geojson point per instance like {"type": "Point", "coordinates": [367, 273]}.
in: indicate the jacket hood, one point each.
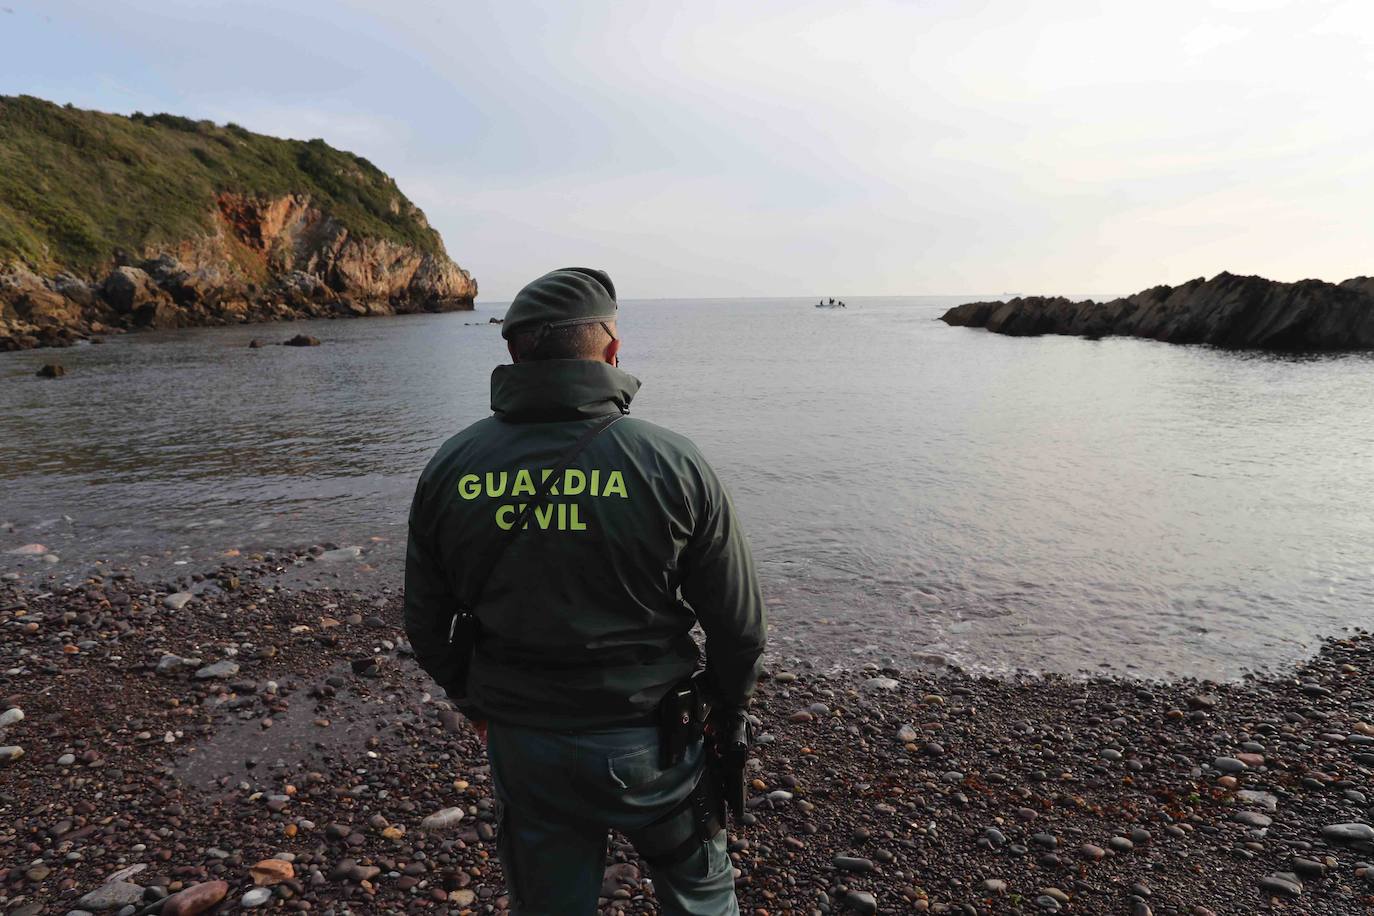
{"type": "Point", "coordinates": [560, 389]}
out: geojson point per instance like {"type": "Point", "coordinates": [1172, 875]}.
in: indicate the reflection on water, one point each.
{"type": "Point", "coordinates": [911, 489]}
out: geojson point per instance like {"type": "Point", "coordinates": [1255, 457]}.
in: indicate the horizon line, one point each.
{"type": "Point", "coordinates": [811, 298]}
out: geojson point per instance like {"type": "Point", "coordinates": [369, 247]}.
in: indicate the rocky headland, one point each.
{"type": "Point", "coordinates": [221, 742]}
{"type": "Point", "coordinates": [110, 224]}
{"type": "Point", "coordinates": [1226, 311]}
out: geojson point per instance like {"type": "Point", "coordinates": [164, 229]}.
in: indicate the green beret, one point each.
{"type": "Point", "coordinates": [569, 295]}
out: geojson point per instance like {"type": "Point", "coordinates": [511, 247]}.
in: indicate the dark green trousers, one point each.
{"type": "Point", "coordinates": [561, 793]}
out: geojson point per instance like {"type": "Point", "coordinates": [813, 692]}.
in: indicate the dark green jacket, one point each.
{"type": "Point", "coordinates": [582, 623]}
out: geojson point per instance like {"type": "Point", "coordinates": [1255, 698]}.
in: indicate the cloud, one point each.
{"type": "Point", "coordinates": [785, 146]}
{"type": "Point", "coordinates": [1210, 36]}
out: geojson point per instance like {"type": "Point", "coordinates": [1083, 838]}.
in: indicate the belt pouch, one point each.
{"type": "Point", "coordinates": [674, 725]}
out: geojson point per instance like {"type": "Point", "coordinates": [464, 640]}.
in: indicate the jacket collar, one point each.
{"type": "Point", "coordinates": [560, 389]}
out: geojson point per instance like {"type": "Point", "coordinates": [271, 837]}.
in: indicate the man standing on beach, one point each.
{"type": "Point", "coordinates": [551, 547]}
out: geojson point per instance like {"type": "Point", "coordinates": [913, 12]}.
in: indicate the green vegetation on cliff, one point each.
{"type": "Point", "coordinates": [77, 185]}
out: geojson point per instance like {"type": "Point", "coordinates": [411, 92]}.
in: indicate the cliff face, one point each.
{"type": "Point", "coordinates": [111, 223]}
{"type": "Point", "coordinates": [1225, 311]}
{"type": "Point", "coordinates": [290, 234]}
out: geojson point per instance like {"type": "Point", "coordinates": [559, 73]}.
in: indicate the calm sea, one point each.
{"type": "Point", "coordinates": [914, 492]}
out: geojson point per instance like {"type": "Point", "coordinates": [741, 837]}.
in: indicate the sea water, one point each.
{"type": "Point", "coordinates": [913, 492]}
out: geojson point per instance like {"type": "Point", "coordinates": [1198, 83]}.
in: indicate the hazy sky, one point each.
{"type": "Point", "coordinates": [790, 148]}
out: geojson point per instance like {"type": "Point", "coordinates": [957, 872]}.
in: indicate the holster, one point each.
{"type": "Point", "coordinates": [682, 716]}
{"type": "Point", "coordinates": [731, 741]}
{"type": "Point", "coordinates": [681, 719]}
{"type": "Point", "coordinates": [680, 832]}
{"type": "Point", "coordinates": [462, 639]}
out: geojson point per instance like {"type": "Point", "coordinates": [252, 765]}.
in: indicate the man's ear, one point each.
{"type": "Point", "coordinates": [612, 352]}
{"type": "Point", "coordinates": [510, 348]}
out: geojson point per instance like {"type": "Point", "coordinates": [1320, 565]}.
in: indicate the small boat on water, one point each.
{"type": "Point", "coordinates": [831, 303]}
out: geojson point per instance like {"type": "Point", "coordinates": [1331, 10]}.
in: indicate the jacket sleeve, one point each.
{"type": "Point", "coordinates": [722, 587]}
{"type": "Point", "coordinates": [429, 608]}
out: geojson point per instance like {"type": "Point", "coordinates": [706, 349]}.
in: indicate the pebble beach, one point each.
{"type": "Point", "coordinates": [224, 742]}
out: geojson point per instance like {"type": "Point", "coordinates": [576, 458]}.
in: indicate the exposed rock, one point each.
{"type": "Point", "coordinates": [349, 870]}
{"type": "Point", "coordinates": [1266, 800]}
{"type": "Point", "coordinates": [620, 874]}
{"type": "Point", "coordinates": [442, 820]}
{"type": "Point", "coordinates": [75, 289]}
{"type": "Point", "coordinates": [51, 370]}
{"type": "Point", "coordinates": [343, 241]}
{"type": "Point", "coordinates": [298, 239]}
{"type": "Point", "coordinates": [196, 899]}
{"type": "Point", "coordinates": [124, 874]}
{"type": "Point", "coordinates": [111, 896]}
{"type": "Point", "coordinates": [33, 312]}
{"type": "Point", "coordinates": [270, 872]}
{"type": "Point", "coordinates": [1226, 311]}
{"type": "Point", "coordinates": [35, 300]}
{"type": "Point", "coordinates": [1281, 885]}
{"type": "Point", "coordinates": [225, 668]}
{"type": "Point", "coordinates": [184, 286]}
{"type": "Point", "coordinates": [170, 663]}
{"type": "Point", "coordinates": [862, 902]}
{"type": "Point", "coordinates": [853, 863]}
{"type": "Point", "coordinates": [130, 289]}
{"type": "Point", "coordinates": [339, 554]}
{"type": "Point", "coordinates": [369, 666]}
{"type": "Point", "coordinates": [302, 340]}
{"type": "Point", "coordinates": [255, 898]}
{"type": "Point", "coordinates": [1348, 833]}
{"type": "Point", "coordinates": [301, 286]}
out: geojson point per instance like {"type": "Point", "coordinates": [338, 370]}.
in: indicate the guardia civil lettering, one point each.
{"type": "Point", "coordinates": [556, 516]}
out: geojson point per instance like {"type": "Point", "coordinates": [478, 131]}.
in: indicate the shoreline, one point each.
{"type": "Point", "coordinates": [62, 337]}
{"type": "Point", "coordinates": [254, 721]}
{"type": "Point", "coordinates": [374, 564]}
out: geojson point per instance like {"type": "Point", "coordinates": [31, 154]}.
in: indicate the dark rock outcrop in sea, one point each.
{"type": "Point", "coordinates": [110, 224]}
{"type": "Point", "coordinates": [1226, 311]}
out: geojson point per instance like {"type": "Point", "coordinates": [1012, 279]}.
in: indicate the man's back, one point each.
{"type": "Point", "coordinates": [580, 624]}
{"type": "Point", "coordinates": [565, 532]}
